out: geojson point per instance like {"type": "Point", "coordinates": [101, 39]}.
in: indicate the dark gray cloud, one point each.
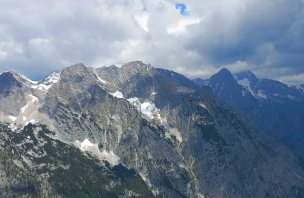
{"type": "Point", "coordinates": [267, 35]}
{"type": "Point", "coordinates": [39, 37]}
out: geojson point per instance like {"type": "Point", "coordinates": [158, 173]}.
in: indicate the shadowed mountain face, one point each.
{"type": "Point", "coordinates": [274, 107]}
{"type": "Point", "coordinates": [141, 123]}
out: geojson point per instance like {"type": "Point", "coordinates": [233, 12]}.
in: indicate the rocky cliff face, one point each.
{"type": "Point", "coordinates": [170, 131]}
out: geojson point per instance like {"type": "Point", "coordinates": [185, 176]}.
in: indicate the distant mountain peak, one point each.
{"type": "Point", "coordinates": [77, 66]}
{"type": "Point", "coordinates": [136, 66]}
{"type": "Point", "coordinates": [9, 80]}
{"type": "Point", "coordinates": [137, 62]}
{"type": "Point", "coordinates": [224, 71]}
{"type": "Point", "coordinates": [12, 75]}
{"type": "Point", "coordinates": [223, 76]}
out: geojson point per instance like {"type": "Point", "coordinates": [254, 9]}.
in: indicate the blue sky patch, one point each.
{"type": "Point", "coordinates": [182, 8]}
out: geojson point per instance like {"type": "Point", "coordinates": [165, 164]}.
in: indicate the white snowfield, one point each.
{"type": "Point", "coordinates": [48, 82]}
{"type": "Point", "coordinates": [153, 93]}
{"type": "Point", "coordinates": [27, 114]}
{"type": "Point", "coordinates": [34, 98]}
{"type": "Point", "coordinates": [108, 156]}
{"type": "Point", "coordinates": [22, 110]}
{"type": "Point", "coordinates": [101, 80]}
{"type": "Point", "coordinates": [203, 105]}
{"type": "Point", "coordinates": [13, 118]}
{"type": "Point", "coordinates": [117, 94]}
{"type": "Point", "coordinates": [150, 111]}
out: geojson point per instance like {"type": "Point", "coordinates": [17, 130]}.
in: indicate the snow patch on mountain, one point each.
{"type": "Point", "coordinates": [261, 94]}
{"type": "Point", "coordinates": [150, 112]}
{"type": "Point", "coordinates": [147, 108]}
{"type": "Point", "coordinates": [34, 98]}
{"type": "Point", "coordinates": [85, 145]}
{"type": "Point", "coordinates": [203, 105]}
{"type": "Point", "coordinates": [245, 83]}
{"type": "Point", "coordinates": [174, 132]}
{"type": "Point", "coordinates": [32, 121]}
{"type": "Point", "coordinates": [48, 82]}
{"type": "Point", "coordinates": [101, 80]}
{"type": "Point", "coordinates": [13, 118]}
{"type": "Point", "coordinates": [23, 108]}
{"type": "Point", "coordinates": [27, 114]}
{"type": "Point", "coordinates": [108, 156]}
{"type": "Point", "coordinates": [117, 94]}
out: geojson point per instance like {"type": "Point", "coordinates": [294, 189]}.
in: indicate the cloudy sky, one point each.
{"type": "Point", "coordinates": [193, 37]}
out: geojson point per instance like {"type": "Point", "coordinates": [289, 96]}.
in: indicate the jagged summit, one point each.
{"type": "Point", "coordinates": [223, 75]}
{"type": "Point", "coordinates": [136, 63]}
{"type": "Point", "coordinates": [224, 71]}
{"type": "Point", "coordinates": [222, 78]}
{"type": "Point", "coordinates": [17, 76]}
{"type": "Point", "coordinates": [77, 66]}
{"type": "Point", "coordinates": [9, 80]}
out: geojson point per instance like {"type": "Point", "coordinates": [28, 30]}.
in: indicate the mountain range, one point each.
{"type": "Point", "coordinates": [133, 130]}
{"type": "Point", "coordinates": [274, 107]}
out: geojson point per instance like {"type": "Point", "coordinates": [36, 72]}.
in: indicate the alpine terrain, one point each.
{"type": "Point", "coordinates": [272, 106]}
{"type": "Point", "coordinates": [133, 130]}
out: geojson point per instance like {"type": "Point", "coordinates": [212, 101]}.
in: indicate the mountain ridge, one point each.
{"type": "Point", "coordinates": [269, 103]}
{"type": "Point", "coordinates": [170, 131]}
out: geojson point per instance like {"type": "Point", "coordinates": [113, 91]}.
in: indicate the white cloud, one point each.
{"type": "Point", "coordinates": [142, 21]}
{"type": "Point", "coordinates": [241, 34]}
{"type": "Point", "coordinates": [239, 66]}
{"type": "Point", "coordinates": [292, 79]}
{"type": "Point", "coordinates": [9, 49]}
{"type": "Point", "coordinates": [181, 26]}
{"type": "Point", "coordinates": [3, 54]}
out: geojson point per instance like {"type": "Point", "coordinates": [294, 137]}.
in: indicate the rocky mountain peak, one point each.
{"type": "Point", "coordinates": [9, 80]}
{"type": "Point", "coordinates": [12, 75]}
{"type": "Point", "coordinates": [136, 67]}
{"type": "Point", "coordinates": [79, 68]}
{"type": "Point", "coordinates": [223, 78]}
{"type": "Point", "coordinates": [77, 74]}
